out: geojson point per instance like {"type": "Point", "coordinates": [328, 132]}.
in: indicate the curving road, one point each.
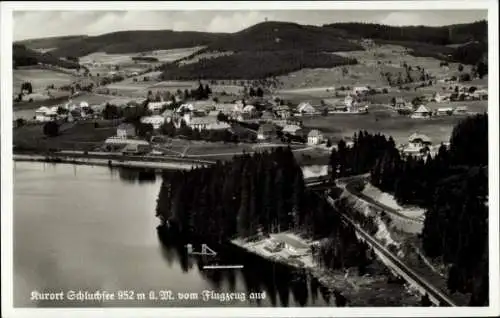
{"type": "Point", "coordinates": [436, 295]}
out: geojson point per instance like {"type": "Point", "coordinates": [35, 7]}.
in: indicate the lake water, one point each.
{"type": "Point", "coordinates": [84, 228]}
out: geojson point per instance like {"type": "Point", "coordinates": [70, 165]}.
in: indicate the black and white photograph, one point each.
{"type": "Point", "coordinates": [224, 159]}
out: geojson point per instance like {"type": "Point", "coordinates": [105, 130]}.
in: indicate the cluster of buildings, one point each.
{"type": "Point", "coordinates": [69, 111]}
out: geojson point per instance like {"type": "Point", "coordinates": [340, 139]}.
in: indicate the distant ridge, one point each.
{"type": "Point", "coordinates": [255, 44]}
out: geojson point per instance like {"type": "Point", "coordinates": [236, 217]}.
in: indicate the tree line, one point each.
{"type": "Point", "coordinates": [252, 65]}
{"type": "Point", "coordinates": [452, 186]}
{"type": "Point", "coordinates": [253, 196]}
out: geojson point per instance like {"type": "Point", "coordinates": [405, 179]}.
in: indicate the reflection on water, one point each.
{"type": "Point", "coordinates": [289, 286]}
{"type": "Point", "coordinates": [94, 228]}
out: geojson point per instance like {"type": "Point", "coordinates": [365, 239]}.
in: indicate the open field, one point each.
{"type": "Point", "coordinates": [386, 122]}
{"type": "Point", "coordinates": [40, 79]}
{"type": "Point", "coordinates": [125, 59]}
{"type": "Point", "coordinates": [384, 58]}
{"type": "Point", "coordinates": [73, 136]}
{"type": "Point", "coordinates": [174, 54]}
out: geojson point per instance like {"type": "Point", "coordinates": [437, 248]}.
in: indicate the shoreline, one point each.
{"type": "Point", "coordinates": [351, 286]}
{"type": "Point", "coordinates": [112, 160]}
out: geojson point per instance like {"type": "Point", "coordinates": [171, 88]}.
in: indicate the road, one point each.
{"type": "Point", "coordinates": [349, 187]}
{"type": "Point", "coordinates": [434, 293]}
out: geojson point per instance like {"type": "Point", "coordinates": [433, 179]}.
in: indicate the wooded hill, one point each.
{"type": "Point", "coordinates": [23, 56]}
{"type": "Point", "coordinates": [282, 37]}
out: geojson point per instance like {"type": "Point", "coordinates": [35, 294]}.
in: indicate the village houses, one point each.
{"type": "Point", "coordinates": [315, 137]}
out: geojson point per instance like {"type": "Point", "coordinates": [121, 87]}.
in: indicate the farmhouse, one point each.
{"type": "Point", "coordinates": [315, 137]}
{"type": "Point", "coordinates": [282, 111]}
{"type": "Point", "coordinates": [226, 109]}
{"type": "Point", "coordinates": [444, 111]}
{"type": "Point", "coordinates": [44, 114]}
{"type": "Point", "coordinates": [156, 107]}
{"type": "Point", "coordinates": [422, 112]}
{"type": "Point", "coordinates": [219, 125]}
{"type": "Point", "coordinates": [125, 131]}
{"type": "Point", "coordinates": [400, 103]}
{"type": "Point", "coordinates": [419, 140]}
{"type": "Point", "coordinates": [127, 146]}
{"type": "Point", "coordinates": [461, 110]}
{"type": "Point", "coordinates": [359, 90]}
{"type": "Point", "coordinates": [418, 146]}
{"type": "Point", "coordinates": [185, 107]}
{"type": "Point", "coordinates": [481, 94]}
{"type": "Point", "coordinates": [348, 100]}
{"type": "Point", "coordinates": [306, 108]}
{"type": "Point", "coordinates": [293, 130]}
{"type": "Point", "coordinates": [208, 123]}
{"type": "Point", "coordinates": [439, 98]}
{"type": "Point", "coordinates": [156, 121]}
{"type": "Point", "coordinates": [266, 131]}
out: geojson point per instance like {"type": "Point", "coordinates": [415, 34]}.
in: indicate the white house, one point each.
{"type": "Point", "coordinates": [422, 112]}
{"type": "Point", "coordinates": [185, 107]}
{"type": "Point", "coordinates": [219, 125]}
{"type": "Point", "coordinates": [306, 108]}
{"type": "Point", "coordinates": [315, 137]}
{"type": "Point", "coordinates": [44, 114]}
{"type": "Point", "coordinates": [283, 111]}
{"type": "Point", "coordinates": [227, 109]}
{"type": "Point", "coordinates": [461, 110]}
{"type": "Point", "coordinates": [418, 146]}
{"type": "Point", "coordinates": [400, 103]}
{"type": "Point", "coordinates": [419, 140]}
{"type": "Point", "coordinates": [444, 111]}
{"type": "Point", "coordinates": [156, 106]}
{"type": "Point", "coordinates": [156, 121]}
{"type": "Point", "coordinates": [348, 100]}
{"type": "Point", "coordinates": [441, 98]}
{"type": "Point", "coordinates": [360, 90]}
{"type": "Point", "coordinates": [481, 94]}
{"type": "Point", "coordinates": [201, 123]}
{"type": "Point", "coordinates": [125, 131]}
{"type": "Point", "coordinates": [248, 109]}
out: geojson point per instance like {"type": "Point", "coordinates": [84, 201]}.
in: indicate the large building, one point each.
{"type": "Point", "coordinates": [315, 137]}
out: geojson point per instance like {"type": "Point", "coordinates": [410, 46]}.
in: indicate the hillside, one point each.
{"type": "Point", "coordinates": [282, 36]}
{"type": "Point", "coordinates": [444, 43]}
{"type": "Point", "coordinates": [134, 42]}
{"type": "Point", "coordinates": [233, 55]}
{"type": "Point", "coordinates": [22, 56]}
{"type": "Point", "coordinates": [444, 35]}
{"type": "Point", "coordinates": [52, 42]}
{"type": "Point", "coordinates": [253, 65]}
